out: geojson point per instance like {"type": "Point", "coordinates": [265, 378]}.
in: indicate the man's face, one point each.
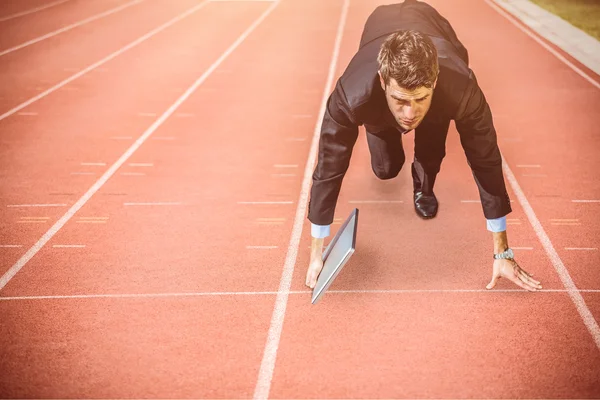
{"type": "Point", "coordinates": [407, 106]}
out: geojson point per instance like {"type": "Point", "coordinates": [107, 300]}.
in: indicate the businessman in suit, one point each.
{"type": "Point", "coordinates": [411, 73]}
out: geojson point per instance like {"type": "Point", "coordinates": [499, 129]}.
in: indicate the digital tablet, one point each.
{"type": "Point", "coordinates": [336, 255]}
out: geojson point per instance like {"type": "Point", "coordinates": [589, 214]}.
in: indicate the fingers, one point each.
{"type": "Point", "coordinates": [529, 281]}
{"type": "Point", "coordinates": [492, 283]}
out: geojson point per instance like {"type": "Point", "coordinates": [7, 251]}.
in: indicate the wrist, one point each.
{"type": "Point", "coordinates": [500, 242]}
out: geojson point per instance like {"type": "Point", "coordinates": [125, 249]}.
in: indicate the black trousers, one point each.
{"type": "Point", "coordinates": [387, 153]}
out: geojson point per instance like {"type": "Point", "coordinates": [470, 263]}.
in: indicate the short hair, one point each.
{"type": "Point", "coordinates": [410, 58]}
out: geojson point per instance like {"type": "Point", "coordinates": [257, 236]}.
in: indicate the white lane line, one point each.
{"type": "Point", "coordinates": [68, 246]}
{"type": "Point", "coordinates": [563, 273]}
{"type": "Point", "coordinates": [529, 166]}
{"type": "Point", "coordinates": [31, 11]}
{"type": "Point", "coordinates": [374, 201]}
{"type": "Point", "coordinates": [104, 60]}
{"type": "Point", "coordinates": [36, 205]}
{"type": "Point", "coordinates": [585, 201]}
{"type": "Point", "coordinates": [582, 248]}
{"type": "Point", "coordinates": [12, 271]}
{"type": "Point", "coordinates": [261, 247]}
{"type": "Point", "coordinates": [470, 201]}
{"type": "Point", "coordinates": [535, 175]}
{"type": "Point", "coordinates": [267, 365]}
{"type": "Point", "coordinates": [265, 202]}
{"type": "Point", "coordinates": [513, 20]}
{"type": "Point", "coordinates": [94, 164]}
{"type": "Point", "coordinates": [154, 204]}
{"type": "Point", "coordinates": [133, 174]}
{"type": "Point", "coordinates": [272, 293]}
{"type": "Point", "coordinates": [141, 164]}
{"type": "Point", "coordinates": [10, 246]}
{"type": "Point", "coordinates": [286, 165]}
{"type": "Point", "coordinates": [69, 27]}
{"type": "Point", "coordinates": [522, 248]}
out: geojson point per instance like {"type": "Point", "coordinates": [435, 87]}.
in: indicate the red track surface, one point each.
{"type": "Point", "coordinates": [201, 328]}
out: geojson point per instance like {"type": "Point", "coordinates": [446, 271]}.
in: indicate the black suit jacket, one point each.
{"type": "Point", "coordinates": [358, 99]}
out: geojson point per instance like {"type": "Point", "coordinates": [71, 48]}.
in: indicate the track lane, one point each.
{"type": "Point", "coordinates": [358, 361]}
{"type": "Point", "coordinates": [31, 71]}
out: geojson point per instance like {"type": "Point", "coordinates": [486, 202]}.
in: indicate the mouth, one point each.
{"type": "Point", "coordinates": [409, 123]}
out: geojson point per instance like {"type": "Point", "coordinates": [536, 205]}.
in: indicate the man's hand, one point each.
{"type": "Point", "coordinates": [507, 268]}
{"type": "Point", "coordinates": [316, 262]}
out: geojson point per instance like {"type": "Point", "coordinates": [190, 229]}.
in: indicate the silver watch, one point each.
{"type": "Point", "coordinates": [506, 254]}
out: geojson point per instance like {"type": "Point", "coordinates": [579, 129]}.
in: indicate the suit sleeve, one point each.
{"type": "Point", "coordinates": [339, 131]}
{"type": "Point", "coordinates": [478, 138]}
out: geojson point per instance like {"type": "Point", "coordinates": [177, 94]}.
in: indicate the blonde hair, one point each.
{"type": "Point", "coordinates": [410, 58]}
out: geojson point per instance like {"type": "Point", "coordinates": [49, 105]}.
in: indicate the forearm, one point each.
{"type": "Point", "coordinates": [500, 241]}
{"type": "Point", "coordinates": [316, 248]}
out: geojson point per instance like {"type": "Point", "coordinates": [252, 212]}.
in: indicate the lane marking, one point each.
{"type": "Point", "coordinates": [69, 27]}
{"type": "Point", "coordinates": [141, 164]}
{"type": "Point", "coordinates": [36, 205]}
{"type": "Point", "coordinates": [374, 201]}
{"type": "Point", "coordinates": [103, 61]}
{"type": "Point", "coordinates": [470, 201]}
{"type": "Point", "coordinates": [529, 166]}
{"type": "Point", "coordinates": [585, 201]}
{"type": "Point", "coordinates": [68, 246]}
{"type": "Point", "coordinates": [267, 293]}
{"type": "Point", "coordinates": [261, 247]}
{"type": "Point", "coordinates": [561, 270]}
{"type": "Point", "coordinates": [514, 21]}
{"type": "Point", "coordinates": [535, 175]}
{"type": "Point", "coordinates": [581, 248]}
{"type": "Point", "coordinates": [264, 202]}
{"type": "Point", "coordinates": [564, 219]}
{"type": "Point", "coordinates": [522, 248]}
{"type": "Point", "coordinates": [565, 223]}
{"type": "Point", "coordinates": [133, 173]}
{"type": "Point", "coordinates": [94, 164]}
{"type": "Point", "coordinates": [10, 246]}
{"type": "Point", "coordinates": [12, 271]}
{"type": "Point", "coordinates": [154, 204]}
{"type": "Point", "coordinates": [33, 10]}
{"type": "Point", "coordinates": [267, 365]}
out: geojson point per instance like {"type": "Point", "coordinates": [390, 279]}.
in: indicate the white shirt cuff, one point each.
{"type": "Point", "coordinates": [319, 231]}
{"type": "Point", "coordinates": [496, 225]}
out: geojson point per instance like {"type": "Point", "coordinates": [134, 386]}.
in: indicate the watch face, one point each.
{"type": "Point", "coordinates": [510, 254]}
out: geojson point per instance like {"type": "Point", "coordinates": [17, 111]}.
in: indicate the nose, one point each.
{"type": "Point", "coordinates": [409, 112]}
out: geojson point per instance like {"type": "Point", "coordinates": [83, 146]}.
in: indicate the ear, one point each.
{"type": "Point", "coordinates": [381, 81]}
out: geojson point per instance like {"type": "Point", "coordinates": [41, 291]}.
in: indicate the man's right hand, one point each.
{"type": "Point", "coordinates": [316, 262]}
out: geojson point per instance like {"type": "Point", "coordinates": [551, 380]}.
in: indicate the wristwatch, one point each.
{"type": "Point", "coordinates": [506, 254]}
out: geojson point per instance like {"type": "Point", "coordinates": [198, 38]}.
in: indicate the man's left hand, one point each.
{"type": "Point", "coordinates": [507, 268]}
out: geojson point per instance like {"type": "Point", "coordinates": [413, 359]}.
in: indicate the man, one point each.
{"type": "Point", "coordinates": [411, 72]}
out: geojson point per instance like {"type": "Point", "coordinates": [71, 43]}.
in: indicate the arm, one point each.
{"type": "Point", "coordinates": [478, 138]}
{"type": "Point", "coordinates": [339, 131]}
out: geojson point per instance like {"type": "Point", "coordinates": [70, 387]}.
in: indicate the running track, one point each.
{"type": "Point", "coordinates": [165, 148]}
